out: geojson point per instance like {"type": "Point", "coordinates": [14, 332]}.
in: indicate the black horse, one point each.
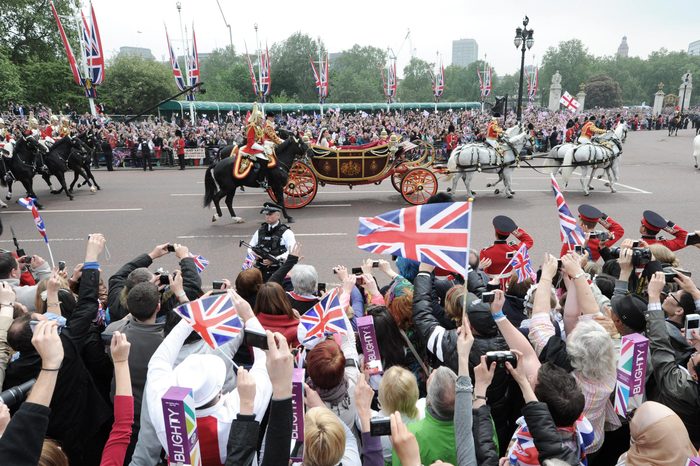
{"type": "Point", "coordinates": [674, 125]}
{"type": "Point", "coordinates": [20, 167]}
{"type": "Point", "coordinates": [222, 183]}
{"type": "Point", "coordinates": [86, 142]}
{"type": "Point", "coordinates": [57, 160]}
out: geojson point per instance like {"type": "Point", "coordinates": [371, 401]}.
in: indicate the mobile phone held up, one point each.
{"type": "Point", "coordinates": [171, 248]}
{"type": "Point", "coordinates": [500, 358]}
{"type": "Point", "coordinates": [379, 426]}
{"type": "Point", "coordinates": [692, 326]}
{"type": "Point", "coordinates": [255, 339]}
{"type": "Point", "coordinates": [488, 297]}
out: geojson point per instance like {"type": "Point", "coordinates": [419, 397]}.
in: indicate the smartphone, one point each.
{"type": "Point", "coordinates": [375, 264]}
{"type": "Point", "coordinates": [21, 253]}
{"type": "Point", "coordinates": [321, 288]}
{"type": "Point", "coordinates": [171, 248]}
{"type": "Point", "coordinates": [578, 249]}
{"type": "Point", "coordinates": [488, 297]}
{"type": "Point", "coordinates": [61, 266]}
{"type": "Point", "coordinates": [559, 264]}
{"type": "Point", "coordinates": [635, 244]}
{"type": "Point", "coordinates": [379, 426]}
{"type": "Point", "coordinates": [255, 338]}
{"type": "Point", "coordinates": [33, 324]}
{"type": "Point", "coordinates": [357, 270]}
{"type": "Point", "coordinates": [217, 285]}
{"type": "Point", "coordinates": [692, 326]}
{"type": "Point", "coordinates": [359, 280]}
{"type": "Point", "coordinates": [164, 279]}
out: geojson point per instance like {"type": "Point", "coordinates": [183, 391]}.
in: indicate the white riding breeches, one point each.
{"type": "Point", "coordinates": [583, 140]}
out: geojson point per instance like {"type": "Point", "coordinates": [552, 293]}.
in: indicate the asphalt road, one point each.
{"type": "Point", "coordinates": [137, 210]}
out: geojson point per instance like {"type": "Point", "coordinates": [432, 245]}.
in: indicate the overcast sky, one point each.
{"type": "Point", "coordinates": [648, 25]}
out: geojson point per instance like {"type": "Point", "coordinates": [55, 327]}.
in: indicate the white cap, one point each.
{"type": "Point", "coordinates": [204, 374]}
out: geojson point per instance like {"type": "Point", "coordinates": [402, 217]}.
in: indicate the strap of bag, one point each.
{"type": "Point", "coordinates": [415, 353]}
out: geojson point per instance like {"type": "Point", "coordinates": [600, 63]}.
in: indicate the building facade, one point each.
{"type": "Point", "coordinates": [464, 52]}
{"type": "Point", "coordinates": [694, 48]}
{"type": "Point", "coordinates": [137, 52]}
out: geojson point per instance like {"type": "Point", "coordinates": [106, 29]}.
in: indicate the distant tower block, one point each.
{"type": "Point", "coordinates": [623, 50]}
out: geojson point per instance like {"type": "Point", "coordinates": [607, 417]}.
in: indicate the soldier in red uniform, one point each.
{"type": "Point", "coordinates": [500, 250]}
{"type": "Point", "coordinates": [589, 217]}
{"type": "Point", "coordinates": [493, 132]}
{"type": "Point", "coordinates": [588, 131]}
{"type": "Point", "coordinates": [653, 223]}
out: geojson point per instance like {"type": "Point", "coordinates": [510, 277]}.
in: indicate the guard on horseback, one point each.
{"type": "Point", "coordinates": [254, 149]}
{"type": "Point", "coordinates": [588, 131]}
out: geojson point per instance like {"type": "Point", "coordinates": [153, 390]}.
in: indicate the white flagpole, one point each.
{"type": "Point", "coordinates": [48, 245]}
{"type": "Point", "coordinates": [466, 266]}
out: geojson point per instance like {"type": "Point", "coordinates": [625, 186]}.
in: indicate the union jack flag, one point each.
{"type": "Point", "coordinates": [532, 79]}
{"type": "Point", "coordinates": [249, 261]}
{"type": "Point", "coordinates": [214, 318]}
{"type": "Point", "coordinates": [93, 48]}
{"type": "Point", "coordinates": [390, 84]}
{"type": "Point", "coordinates": [251, 70]}
{"type": "Point", "coordinates": [28, 203]}
{"type": "Point", "coordinates": [436, 234]}
{"type": "Point", "coordinates": [485, 81]}
{"type": "Point", "coordinates": [265, 71]}
{"type": "Point", "coordinates": [522, 266]}
{"type": "Point", "coordinates": [439, 84]}
{"type": "Point", "coordinates": [200, 263]}
{"type": "Point", "coordinates": [179, 80]}
{"type": "Point", "coordinates": [321, 77]}
{"type": "Point", "coordinates": [325, 317]}
{"type": "Point", "coordinates": [193, 62]}
{"type": "Point", "coordinates": [569, 230]}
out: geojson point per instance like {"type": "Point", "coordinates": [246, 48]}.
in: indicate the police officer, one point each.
{"type": "Point", "coordinates": [588, 218]}
{"type": "Point", "coordinates": [275, 237]}
{"type": "Point", "coordinates": [500, 250]}
{"type": "Point", "coordinates": [653, 223]}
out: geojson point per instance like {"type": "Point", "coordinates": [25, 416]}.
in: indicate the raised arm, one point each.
{"type": "Point", "coordinates": [87, 305]}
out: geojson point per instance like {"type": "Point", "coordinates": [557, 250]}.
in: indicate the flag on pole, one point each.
{"type": "Point", "coordinates": [532, 79]}
{"type": "Point", "coordinates": [439, 82]}
{"type": "Point", "coordinates": [569, 230]}
{"type": "Point", "coordinates": [436, 234]}
{"type": "Point", "coordinates": [214, 318]}
{"type": "Point", "coordinates": [485, 82]}
{"type": "Point", "coordinates": [390, 84]}
{"type": "Point", "coordinates": [327, 316]}
{"type": "Point", "coordinates": [321, 77]}
{"type": "Point", "coordinates": [265, 73]}
{"type": "Point", "coordinates": [193, 62]}
{"type": "Point", "coordinates": [177, 73]}
{"type": "Point", "coordinates": [200, 262]}
{"type": "Point", "coordinates": [93, 48]}
{"type": "Point", "coordinates": [249, 261]}
{"type": "Point", "coordinates": [66, 45]}
{"type": "Point", "coordinates": [522, 266]}
{"type": "Point", "coordinates": [28, 203]}
{"type": "Point", "coordinates": [569, 102]}
{"type": "Point", "coordinates": [251, 70]}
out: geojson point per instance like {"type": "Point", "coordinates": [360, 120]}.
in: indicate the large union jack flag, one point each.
{"type": "Point", "coordinates": [200, 262]}
{"type": "Point", "coordinates": [485, 81]}
{"type": "Point", "coordinates": [439, 82]}
{"type": "Point", "coordinates": [569, 230]}
{"type": "Point", "coordinates": [265, 78]}
{"type": "Point", "coordinates": [93, 48]}
{"type": "Point", "coordinates": [28, 203]}
{"type": "Point", "coordinates": [325, 317]}
{"type": "Point", "coordinates": [321, 77]}
{"type": "Point", "coordinates": [214, 318]}
{"type": "Point", "coordinates": [436, 234]}
{"type": "Point", "coordinates": [179, 80]}
{"type": "Point", "coordinates": [522, 266]}
{"type": "Point", "coordinates": [391, 83]}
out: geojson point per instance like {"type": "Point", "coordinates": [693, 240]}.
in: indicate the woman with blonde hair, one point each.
{"type": "Point", "coordinates": [325, 438]}
{"type": "Point", "coordinates": [398, 392]}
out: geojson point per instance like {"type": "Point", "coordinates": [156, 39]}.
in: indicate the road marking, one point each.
{"type": "Point", "coordinates": [66, 211]}
{"type": "Point", "coordinates": [318, 206]}
{"type": "Point", "coordinates": [41, 240]}
{"type": "Point", "coordinates": [248, 236]}
{"type": "Point", "coordinates": [641, 191]}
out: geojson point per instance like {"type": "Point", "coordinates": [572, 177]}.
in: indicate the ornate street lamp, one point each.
{"type": "Point", "coordinates": [523, 40]}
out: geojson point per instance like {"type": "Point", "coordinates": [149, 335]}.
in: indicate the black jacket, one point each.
{"type": "Point", "coordinates": [548, 439]}
{"type": "Point", "coordinates": [482, 429]}
{"type": "Point", "coordinates": [117, 308]}
{"type": "Point", "coordinates": [21, 443]}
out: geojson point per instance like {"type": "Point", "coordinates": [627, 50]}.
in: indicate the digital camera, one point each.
{"type": "Point", "coordinates": [640, 256]}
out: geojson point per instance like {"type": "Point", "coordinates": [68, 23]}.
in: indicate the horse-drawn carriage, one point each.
{"type": "Point", "coordinates": [406, 163]}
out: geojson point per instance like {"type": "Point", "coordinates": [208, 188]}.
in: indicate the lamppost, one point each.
{"type": "Point", "coordinates": [523, 40]}
{"type": "Point", "coordinates": [686, 79]}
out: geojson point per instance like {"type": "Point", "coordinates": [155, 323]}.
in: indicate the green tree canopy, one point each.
{"type": "Point", "coordinates": [226, 77]}
{"type": "Point", "coordinates": [291, 67]}
{"type": "Point", "coordinates": [417, 82]}
{"type": "Point", "coordinates": [603, 91]}
{"type": "Point", "coordinates": [12, 89]}
{"type": "Point", "coordinates": [572, 60]}
{"type": "Point", "coordinates": [356, 75]}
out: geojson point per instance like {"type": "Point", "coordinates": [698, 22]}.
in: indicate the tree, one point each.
{"type": "Point", "coordinates": [136, 83]}
{"type": "Point", "coordinates": [12, 89]}
{"type": "Point", "coordinates": [416, 85]}
{"type": "Point", "coordinates": [355, 76]}
{"type": "Point", "coordinates": [51, 83]}
{"type": "Point", "coordinates": [603, 91]}
{"type": "Point", "coordinates": [226, 77]}
{"type": "Point", "coordinates": [291, 67]}
{"type": "Point", "coordinates": [572, 60]}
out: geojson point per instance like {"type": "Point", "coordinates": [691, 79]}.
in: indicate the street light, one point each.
{"type": "Point", "coordinates": [686, 79]}
{"type": "Point", "coordinates": [523, 40]}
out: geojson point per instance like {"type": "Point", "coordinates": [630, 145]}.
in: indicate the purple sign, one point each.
{"type": "Point", "coordinates": [370, 346]}
{"type": "Point", "coordinates": [181, 426]}
{"type": "Point", "coordinates": [297, 409]}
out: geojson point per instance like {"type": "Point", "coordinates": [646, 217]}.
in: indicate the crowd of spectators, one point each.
{"type": "Point", "coordinates": [102, 351]}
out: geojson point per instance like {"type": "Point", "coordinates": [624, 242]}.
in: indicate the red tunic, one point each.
{"type": "Point", "coordinates": [497, 253]}
{"type": "Point", "coordinates": [675, 244]}
{"type": "Point", "coordinates": [47, 132]}
{"type": "Point", "coordinates": [451, 140]}
{"type": "Point", "coordinates": [593, 245]}
{"type": "Point", "coordinates": [251, 138]}
{"type": "Point", "coordinates": [493, 131]}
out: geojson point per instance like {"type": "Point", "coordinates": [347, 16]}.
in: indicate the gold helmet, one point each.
{"type": "Point", "coordinates": [256, 116]}
{"type": "Point", "coordinates": [383, 134]}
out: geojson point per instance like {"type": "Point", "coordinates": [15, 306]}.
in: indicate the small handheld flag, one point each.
{"type": "Point", "coordinates": [325, 317]}
{"type": "Point", "coordinates": [522, 266]}
{"type": "Point", "coordinates": [199, 262]}
{"type": "Point", "coordinates": [215, 319]}
{"type": "Point", "coordinates": [249, 261]}
{"type": "Point", "coordinates": [569, 230]}
{"type": "Point", "coordinates": [28, 203]}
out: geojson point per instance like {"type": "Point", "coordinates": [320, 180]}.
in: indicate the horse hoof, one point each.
{"type": "Point", "coordinates": [8, 197]}
{"type": "Point", "coordinates": [98, 188]}
{"type": "Point", "coordinates": [3, 205]}
{"type": "Point", "coordinates": [509, 196]}
{"type": "Point", "coordinates": [497, 191]}
{"type": "Point", "coordinates": [290, 219]}
{"type": "Point", "coordinates": [93, 189]}
{"type": "Point", "coordinates": [70, 197]}
{"type": "Point", "coordinates": [512, 193]}
{"type": "Point", "coordinates": [238, 219]}
{"type": "Point", "coordinates": [488, 185]}
{"type": "Point", "coordinates": [213, 218]}
{"type": "Point", "coordinates": [591, 188]}
{"type": "Point", "coordinates": [586, 193]}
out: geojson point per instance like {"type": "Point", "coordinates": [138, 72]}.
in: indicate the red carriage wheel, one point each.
{"type": "Point", "coordinates": [418, 185]}
{"type": "Point", "coordinates": [301, 187]}
{"type": "Point", "coordinates": [399, 172]}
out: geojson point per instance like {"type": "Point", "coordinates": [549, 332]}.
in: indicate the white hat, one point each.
{"type": "Point", "coordinates": [204, 374]}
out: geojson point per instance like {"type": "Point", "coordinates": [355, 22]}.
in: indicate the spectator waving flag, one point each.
{"type": "Point", "coordinates": [522, 266]}
{"type": "Point", "coordinates": [325, 317]}
{"type": "Point", "coordinates": [28, 203]}
{"type": "Point", "coordinates": [569, 230]}
{"type": "Point", "coordinates": [199, 262]}
{"type": "Point", "coordinates": [436, 234]}
{"type": "Point", "coordinates": [249, 261]}
{"type": "Point", "coordinates": [214, 318]}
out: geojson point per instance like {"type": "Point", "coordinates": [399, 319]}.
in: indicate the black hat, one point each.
{"type": "Point", "coordinates": [451, 128]}
{"type": "Point", "coordinates": [653, 221]}
{"type": "Point", "coordinates": [592, 118]}
{"type": "Point", "coordinates": [588, 213]}
{"type": "Point", "coordinates": [440, 197]}
{"type": "Point", "coordinates": [496, 115]}
{"type": "Point", "coordinates": [480, 318]}
{"type": "Point", "coordinates": [269, 115]}
{"type": "Point", "coordinates": [270, 207]}
{"type": "Point", "coordinates": [504, 225]}
{"type": "Point", "coordinates": [630, 309]}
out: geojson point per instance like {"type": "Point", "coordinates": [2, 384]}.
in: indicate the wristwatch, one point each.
{"type": "Point", "coordinates": [479, 397]}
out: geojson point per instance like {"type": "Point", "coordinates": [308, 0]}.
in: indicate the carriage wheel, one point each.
{"type": "Point", "coordinates": [399, 172]}
{"type": "Point", "coordinates": [418, 185]}
{"type": "Point", "coordinates": [301, 187]}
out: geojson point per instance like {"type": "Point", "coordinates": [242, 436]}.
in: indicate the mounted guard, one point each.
{"type": "Point", "coordinates": [493, 134]}
{"type": "Point", "coordinates": [254, 150]}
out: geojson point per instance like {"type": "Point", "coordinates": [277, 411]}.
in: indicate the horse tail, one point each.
{"type": "Point", "coordinates": [567, 168]}
{"type": "Point", "coordinates": [210, 187]}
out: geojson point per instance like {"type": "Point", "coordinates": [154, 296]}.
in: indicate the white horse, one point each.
{"type": "Point", "coordinates": [570, 156]}
{"type": "Point", "coordinates": [467, 159]}
{"type": "Point", "coordinates": [696, 149]}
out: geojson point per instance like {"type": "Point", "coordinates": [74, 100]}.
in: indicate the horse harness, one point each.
{"type": "Point", "coordinates": [499, 164]}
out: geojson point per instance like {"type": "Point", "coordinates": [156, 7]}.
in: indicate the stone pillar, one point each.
{"type": "Point", "coordinates": [658, 100]}
{"type": "Point", "coordinates": [555, 92]}
{"type": "Point", "coordinates": [581, 97]}
{"type": "Point", "coordinates": [684, 91]}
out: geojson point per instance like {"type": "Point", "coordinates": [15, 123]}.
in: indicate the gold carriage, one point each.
{"type": "Point", "coordinates": [406, 163]}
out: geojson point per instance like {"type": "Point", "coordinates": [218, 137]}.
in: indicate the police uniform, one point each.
{"type": "Point", "coordinates": [588, 213]}
{"type": "Point", "coordinates": [278, 238]}
{"type": "Point", "coordinates": [500, 264]}
{"type": "Point", "coordinates": [654, 223]}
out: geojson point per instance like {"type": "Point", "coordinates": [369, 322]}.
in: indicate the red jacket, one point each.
{"type": "Point", "coordinates": [283, 324]}
{"type": "Point", "coordinates": [497, 252]}
{"type": "Point", "coordinates": [593, 244]}
{"type": "Point", "coordinates": [675, 244]}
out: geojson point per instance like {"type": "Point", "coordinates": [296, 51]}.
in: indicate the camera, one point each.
{"type": "Point", "coordinates": [578, 249]}
{"type": "Point", "coordinates": [500, 358]}
{"type": "Point", "coordinates": [488, 297]}
{"type": "Point", "coordinates": [164, 278]}
{"type": "Point", "coordinates": [357, 270]}
{"type": "Point", "coordinates": [171, 248]}
{"type": "Point", "coordinates": [321, 289]}
{"type": "Point", "coordinates": [375, 264]}
{"type": "Point", "coordinates": [217, 285]}
{"type": "Point", "coordinates": [15, 395]}
{"type": "Point", "coordinates": [640, 256]}
{"type": "Point", "coordinates": [255, 339]}
{"type": "Point", "coordinates": [61, 265]}
{"type": "Point", "coordinates": [602, 236]}
{"type": "Point", "coordinates": [379, 426]}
